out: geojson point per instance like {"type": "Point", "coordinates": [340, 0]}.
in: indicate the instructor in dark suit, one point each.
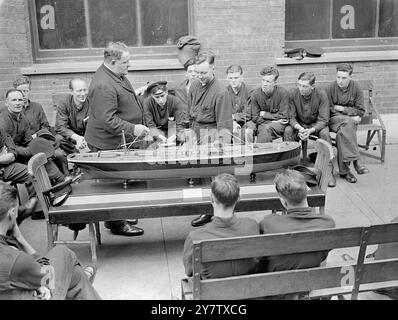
{"type": "Point", "coordinates": [114, 108]}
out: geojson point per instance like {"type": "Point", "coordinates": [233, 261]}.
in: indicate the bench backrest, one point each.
{"type": "Point", "coordinates": [344, 277]}
{"type": "Point", "coordinates": [367, 88]}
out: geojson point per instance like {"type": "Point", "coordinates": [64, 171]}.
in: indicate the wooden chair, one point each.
{"type": "Point", "coordinates": [41, 183]}
{"type": "Point", "coordinates": [337, 278]}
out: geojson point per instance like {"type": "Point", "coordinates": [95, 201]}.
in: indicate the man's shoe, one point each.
{"type": "Point", "coordinates": [132, 222]}
{"type": "Point", "coordinates": [38, 215]}
{"type": "Point", "coordinates": [201, 220]}
{"type": "Point", "coordinates": [332, 181]}
{"type": "Point", "coordinates": [360, 169]}
{"type": "Point", "coordinates": [127, 230]}
{"type": "Point", "coordinates": [349, 177]}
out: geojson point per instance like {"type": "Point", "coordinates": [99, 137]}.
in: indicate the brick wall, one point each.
{"type": "Point", "coordinates": [246, 32]}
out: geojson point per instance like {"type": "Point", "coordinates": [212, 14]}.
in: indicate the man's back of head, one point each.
{"type": "Point", "coordinates": [292, 188]}
{"type": "Point", "coordinates": [225, 191]}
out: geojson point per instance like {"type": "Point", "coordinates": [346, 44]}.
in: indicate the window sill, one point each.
{"type": "Point", "coordinates": [92, 66]}
{"type": "Point", "coordinates": [330, 57]}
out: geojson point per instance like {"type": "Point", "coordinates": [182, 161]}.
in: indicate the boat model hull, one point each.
{"type": "Point", "coordinates": [179, 162]}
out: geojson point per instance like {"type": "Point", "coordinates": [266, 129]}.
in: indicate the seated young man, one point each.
{"type": "Point", "coordinates": [269, 106]}
{"type": "Point", "coordinates": [309, 114]}
{"type": "Point", "coordinates": [159, 109]}
{"type": "Point", "coordinates": [224, 197]}
{"type": "Point", "coordinates": [37, 119]}
{"type": "Point", "coordinates": [72, 116]}
{"type": "Point", "coordinates": [239, 93]}
{"type": "Point", "coordinates": [346, 111]}
{"type": "Point", "coordinates": [25, 275]}
{"type": "Point", "coordinates": [14, 123]}
{"type": "Point", "coordinates": [292, 191]}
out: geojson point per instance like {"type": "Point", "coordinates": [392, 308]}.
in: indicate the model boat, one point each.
{"type": "Point", "coordinates": [165, 161]}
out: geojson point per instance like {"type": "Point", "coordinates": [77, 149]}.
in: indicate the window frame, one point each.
{"type": "Point", "coordinates": [349, 44]}
{"type": "Point", "coordinates": [87, 54]}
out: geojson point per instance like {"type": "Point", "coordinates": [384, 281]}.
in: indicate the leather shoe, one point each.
{"type": "Point", "coordinates": [201, 220]}
{"type": "Point", "coordinates": [38, 215]}
{"type": "Point", "coordinates": [127, 230]}
{"type": "Point", "coordinates": [349, 177]}
{"type": "Point", "coordinates": [132, 222]}
{"type": "Point", "coordinates": [332, 181]}
{"type": "Point", "coordinates": [360, 169]}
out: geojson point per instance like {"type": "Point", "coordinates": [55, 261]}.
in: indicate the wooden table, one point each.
{"type": "Point", "coordinates": [93, 200]}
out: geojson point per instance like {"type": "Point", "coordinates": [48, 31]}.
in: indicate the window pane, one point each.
{"type": "Point", "coordinates": [388, 25]}
{"type": "Point", "coordinates": [307, 19]}
{"type": "Point", "coordinates": [113, 20]}
{"type": "Point", "coordinates": [163, 22]}
{"type": "Point", "coordinates": [354, 18]}
{"type": "Point", "coordinates": [56, 28]}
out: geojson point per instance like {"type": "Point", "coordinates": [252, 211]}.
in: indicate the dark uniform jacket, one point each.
{"type": "Point", "coordinates": [351, 98]}
{"type": "Point", "coordinates": [70, 119]}
{"type": "Point", "coordinates": [276, 105]}
{"type": "Point", "coordinates": [6, 141]}
{"type": "Point", "coordinates": [240, 103]}
{"type": "Point", "coordinates": [299, 219]}
{"type": "Point", "coordinates": [309, 112]}
{"type": "Point", "coordinates": [221, 228]}
{"type": "Point", "coordinates": [180, 91]}
{"type": "Point", "coordinates": [17, 127]}
{"type": "Point", "coordinates": [36, 116]}
{"type": "Point", "coordinates": [18, 270]}
{"type": "Point", "coordinates": [158, 117]}
{"type": "Point", "coordinates": [113, 107]}
{"type": "Point", "coordinates": [210, 104]}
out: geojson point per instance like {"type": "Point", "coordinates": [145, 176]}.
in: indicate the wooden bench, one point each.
{"type": "Point", "coordinates": [371, 123]}
{"type": "Point", "coordinates": [92, 201]}
{"type": "Point", "coordinates": [339, 278]}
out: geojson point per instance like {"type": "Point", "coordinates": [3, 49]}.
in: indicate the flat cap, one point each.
{"type": "Point", "coordinates": [154, 85]}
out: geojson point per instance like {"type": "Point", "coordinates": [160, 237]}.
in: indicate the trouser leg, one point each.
{"type": "Point", "coordinates": [290, 134]}
{"type": "Point", "coordinates": [18, 173]}
{"type": "Point", "coordinates": [60, 160]}
{"type": "Point", "coordinates": [54, 174]}
{"type": "Point", "coordinates": [269, 131]}
{"type": "Point", "coordinates": [70, 281]}
{"type": "Point", "coordinates": [346, 141]}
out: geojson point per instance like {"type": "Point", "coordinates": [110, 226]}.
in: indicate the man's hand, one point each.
{"type": "Point", "coordinates": [356, 119]}
{"type": "Point", "coordinates": [34, 135]}
{"type": "Point", "coordinates": [43, 293]}
{"type": "Point", "coordinates": [162, 138]}
{"type": "Point", "coordinates": [140, 130]}
{"type": "Point", "coordinates": [80, 141]}
{"type": "Point", "coordinates": [281, 121]}
{"type": "Point", "coordinates": [339, 108]}
{"type": "Point", "coordinates": [262, 113]}
{"type": "Point", "coordinates": [236, 126]}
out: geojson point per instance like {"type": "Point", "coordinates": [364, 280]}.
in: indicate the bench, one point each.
{"type": "Point", "coordinates": [340, 278]}
{"type": "Point", "coordinates": [92, 201]}
{"type": "Point", "coordinates": [371, 123]}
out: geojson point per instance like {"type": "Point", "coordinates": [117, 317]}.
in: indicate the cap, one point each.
{"type": "Point", "coordinates": [152, 87]}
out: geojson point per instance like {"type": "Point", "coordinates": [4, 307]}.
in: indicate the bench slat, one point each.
{"type": "Point", "coordinates": [276, 244]}
{"type": "Point", "coordinates": [293, 281]}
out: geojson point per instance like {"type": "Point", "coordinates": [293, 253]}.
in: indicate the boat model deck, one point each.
{"type": "Point", "coordinates": [165, 162]}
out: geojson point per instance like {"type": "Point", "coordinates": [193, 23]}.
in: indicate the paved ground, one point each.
{"type": "Point", "coordinates": [150, 266]}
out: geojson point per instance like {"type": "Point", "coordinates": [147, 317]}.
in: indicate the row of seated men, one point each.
{"type": "Point", "coordinates": [25, 131]}
{"type": "Point", "coordinates": [211, 109]}
{"type": "Point", "coordinates": [25, 274]}
{"type": "Point", "coordinates": [292, 190]}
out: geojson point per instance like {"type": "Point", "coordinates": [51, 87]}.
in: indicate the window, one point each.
{"type": "Point", "coordinates": [78, 28]}
{"type": "Point", "coordinates": [337, 24]}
